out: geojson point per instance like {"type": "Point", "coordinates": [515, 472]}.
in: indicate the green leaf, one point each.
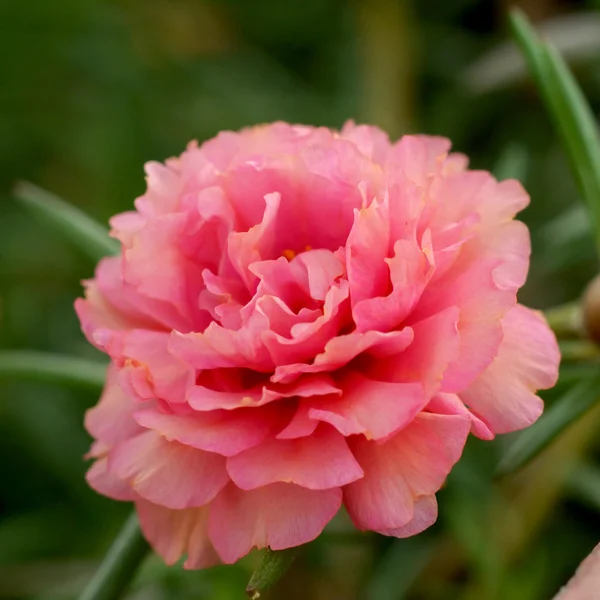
{"type": "Point", "coordinates": [584, 484]}
{"type": "Point", "coordinates": [272, 567]}
{"type": "Point", "coordinates": [568, 110]}
{"type": "Point", "coordinates": [90, 236]}
{"type": "Point", "coordinates": [119, 565]}
{"type": "Point", "coordinates": [399, 568]}
{"type": "Point", "coordinates": [557, 418]}
{"type": "Point", "coordinates": [52, 368]}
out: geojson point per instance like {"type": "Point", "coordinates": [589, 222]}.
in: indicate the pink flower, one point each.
{"type": "Point", "coordinates": [302, 318]}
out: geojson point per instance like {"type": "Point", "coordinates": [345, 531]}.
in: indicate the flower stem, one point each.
{"type": "Point", "coordinates": [271, 569]}
{"type": "Point", "coordinates": [119, 565]}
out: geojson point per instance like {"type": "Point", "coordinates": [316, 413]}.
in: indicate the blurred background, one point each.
{"type": "Point", "coordinates": [91, 89]}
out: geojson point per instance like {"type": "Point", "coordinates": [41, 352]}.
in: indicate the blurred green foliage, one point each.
{"type": "Point", "coordinates": [91, 89]}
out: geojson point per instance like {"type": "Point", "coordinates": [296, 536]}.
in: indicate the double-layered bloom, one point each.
{"type": "Point", "coordinates": [302, 319]}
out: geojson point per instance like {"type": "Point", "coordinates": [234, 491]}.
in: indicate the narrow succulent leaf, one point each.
{"type": "Point", "coordinates": [568, 110]}
{"type": "Point", "coordinates": [557, 418]}
{"type": "Point", "coordinates": [52, 368]}
{"type": "Point", "coordinates": [73, 223]}
{"type": "Point", "coordinates": [273, 565]}
{"type": "Point", "coordinates": [119, 565]}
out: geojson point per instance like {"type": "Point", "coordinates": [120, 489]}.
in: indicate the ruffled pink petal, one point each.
{"type": "Point", "coordinates": [413, 463]}
{"type": "Point", "coordinates": [218, 347]}
{"type": "Point", "coordinates": [366, 251]}
{"type": "Point", "coordinates": [372, 408]}
{"type": "Point", "coordinates": [410, 270]}
{"type": "Point", "coordinates": [482, 282]}
{"type": "Point", "coordinates": [282, 319]}
{"type": "Point", "coordinates": [419, 156]}
{"type": "Point", "coordinates": [107, 483]}
{"type": "Point", "coordinates": [143, 310]}
{"type": "Point", "coordinates": [309, 339]}
{"type": "Point", "coordinates": [451, 404]}
{"type": "Point", "coordinates": [224, 432]}
{"type": "Point", "coordinates": [173, 533]}
{"type": "Point", "coordinates": [97, 311]}
{"type": "Point", "coordinates": [245, 248]}
{"type": "Point", "coordinates": [321, 461]}
{"type": "Point", "coordinates": [157, 268]}
{"type": "Point", "coordinates": [168, 473]}
{"type": "Point", "coordinates": [371, 141]}
{"type": "Point", "coordinates": [340, 350]}
{"type": "Point", "coordinates": [425, 515]}
{"type": "Point", "coordinates": [163, 187]}
{"type": "Point", "coordinates": [301, 424]}
{"type": "Point", "coordinates": [277, 516]}
{"type": "Point", "coordinates": [436, 345]}
{"type": "Point", "coordinates": [204, 398]}
{"type": "Point", "coordinates": [111, 420]}
{"type": "Point", "coordinates": [316, 270]}
{"type": "Point", "coordinates": [147, 369]}
{"type": "Point", "coordinates": [504, 395]}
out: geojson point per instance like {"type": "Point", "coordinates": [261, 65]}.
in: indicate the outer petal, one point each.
{"type": "Point", "coordinates": [435, 346]}
{"type": "Point", "coordinates": [318, 462]}
{"type": "Point", "coordinates": [168, 473]}
{"type": "Point", "coordinates": [451, 404]}
{"type": "Point", "coordinates": [504, 395]}
{"type": "Point", "coordinates": [425, 515]}
{"type": "Point", "coordinates": [586, 582]}
{"type": "Point", "coordinates": [373, 408]}
{"type": "Point", "coordinates": [223, 432]}
{"type": "Point", "coordinates": [148, 369]}
{"type": "Point", "coordinates": [413, 463]}
{"type": "Point", "coordinates": [107, 483]}
{"type": "Point", "coordinates": [111, 420]}
{"type": "Point", "coordinates": [174, 533]}
{"type": "Point", "coordinates": [278, 516]}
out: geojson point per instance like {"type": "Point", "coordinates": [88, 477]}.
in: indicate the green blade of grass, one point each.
{"type": "Point", "coordinates": [568, 110]}
{"type": "Point", "coordinates": [557, 418]}
{"type": "Point", "coordinates": [90, 236]}
{"type": "Point", "coordinates": [120, 564]}
{"type": "Point", "coordinates": [53, 368]}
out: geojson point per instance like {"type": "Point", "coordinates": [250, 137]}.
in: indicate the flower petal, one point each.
{"type": "Point", "coordinates": [107, 483]}
{"type": "Point", "coordinates": [413, 463]}
{"type": "Point", "coordinates": [223, 432]}
{"type": "Point", "coordinates": [425, 515]}
{"type": "Point", "coordinates": [320, 461]}
{"type": "Point", "coordinates": [277, 516]}
{"type": "Point", "coordinates": [373, 408]}
{"type": "Point", "coordinates": [504, 395]}
{"type": "Point", "coordinates": [168, 473]}
{"type": "Point", "coordinates": [111, 420]}
{"type": "Point", "coordinates": [173, 533]}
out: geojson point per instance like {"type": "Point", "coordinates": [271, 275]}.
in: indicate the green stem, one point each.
{"type": "Point", "coordinates": [385, 30]}
{"type": "Point", "coordinates": [119, 565]}
{"type": "Point", "coordinates": [46, 367]}
{"type": "Point", "coordinates": [272, 567]}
